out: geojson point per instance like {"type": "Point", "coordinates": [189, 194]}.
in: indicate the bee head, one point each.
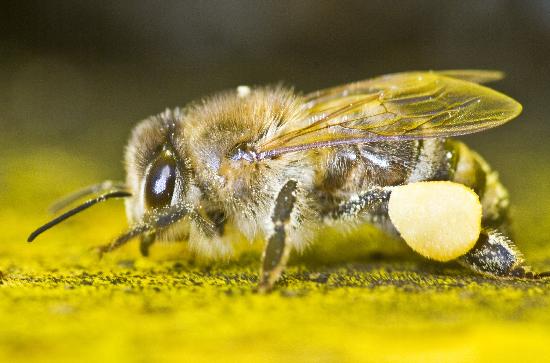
{"type": "Point", "coordinates": [157, 168]}
{"type": "Point", "coordinates": [157, 184]}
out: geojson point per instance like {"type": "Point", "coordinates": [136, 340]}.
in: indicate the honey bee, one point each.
{"type": "Point", "coordinates": [277, 164]}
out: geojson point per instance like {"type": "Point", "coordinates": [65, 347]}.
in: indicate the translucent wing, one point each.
{"type": "Point", "coordinates": [401, 106]}
{"type": "Point", "coordinates": [473, 75]}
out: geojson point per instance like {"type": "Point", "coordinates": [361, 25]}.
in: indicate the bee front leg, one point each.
{"type": "Point", "coordinates": [277, 250]}
{"type": "Point", "coordinates": [215, 217]}
{"type": "Point", "coordinates": [146, 242]}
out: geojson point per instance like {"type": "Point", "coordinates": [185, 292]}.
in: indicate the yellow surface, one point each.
{"type": "Point", "coordinates": [350, 299]}
{"type": "Point", "coordinates": [439, 220]}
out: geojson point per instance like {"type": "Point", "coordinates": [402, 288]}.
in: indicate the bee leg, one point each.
{"type": "Point", "coordinates": [155, 222]}
{"type": "Point", "coordinates": [218, 220]}
{"type": "Point", "coordinates": [277, 250]}
{"type": "Point", "coordinates": [146, 242]}
{"type": "Point", "coordinates": [496, 255]}
{"type": "Point", "coordinates": [373, 202]}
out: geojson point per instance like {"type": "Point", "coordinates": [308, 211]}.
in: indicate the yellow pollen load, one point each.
{"type": "Point", "coordinates": [440, 220]}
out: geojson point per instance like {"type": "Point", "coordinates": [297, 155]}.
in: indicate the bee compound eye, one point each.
{"type": "Point", "coordinates": [161, 181]}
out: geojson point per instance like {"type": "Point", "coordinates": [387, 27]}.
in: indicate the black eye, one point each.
{"type": "Point", "coordinates": [161, 181]}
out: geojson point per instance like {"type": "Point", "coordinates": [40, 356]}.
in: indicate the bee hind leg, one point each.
{"type": "Point", "coordinates": [277, 250]}
{"type": "Point", "coordinates": [496, 255]}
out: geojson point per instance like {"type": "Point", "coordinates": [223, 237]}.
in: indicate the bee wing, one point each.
{"type": "Point", "coordinates": [401, 106]}
{"type": "Point", "coordinates": [473, 75]}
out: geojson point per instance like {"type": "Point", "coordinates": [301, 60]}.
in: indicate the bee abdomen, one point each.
{"type": "Point", "coordinates": [470, 169]}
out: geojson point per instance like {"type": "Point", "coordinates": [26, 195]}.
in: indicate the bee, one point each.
{"type": "Point", "coordinates": [277, 164]}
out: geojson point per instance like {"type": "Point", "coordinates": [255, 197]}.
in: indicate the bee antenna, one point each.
{"type": "Point", "coordinates": [78, 209]}
{"type": "Point", "coordinates": [106, 186]}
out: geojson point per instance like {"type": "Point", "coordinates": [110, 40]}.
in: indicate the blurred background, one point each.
{"type": "Point", "coordinates": [75, 77]}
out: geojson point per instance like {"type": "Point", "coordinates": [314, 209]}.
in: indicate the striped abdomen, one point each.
{"type": "Point", "coordinates": [349, 171]}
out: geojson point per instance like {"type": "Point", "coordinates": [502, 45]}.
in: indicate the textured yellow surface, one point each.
{"type": "Point", "coordinates": [357, 298]}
